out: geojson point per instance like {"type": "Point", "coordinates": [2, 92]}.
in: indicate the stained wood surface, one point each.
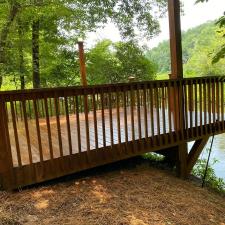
{"type": "Point", "coordinates": [60, 142]}
{"type": "Point", "coordinates": [48, 133]}
{"type": "Point", "coordinates": [61, 145]}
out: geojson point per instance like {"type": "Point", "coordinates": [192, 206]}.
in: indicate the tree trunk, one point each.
{"type": "Point", "coordinates": [4, 34]}
{"type": "Point", "coordinates": [21, 56]}
{"type": "Point", "coordinates": [35, 53]}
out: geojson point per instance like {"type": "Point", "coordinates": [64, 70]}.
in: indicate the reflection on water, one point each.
{"type": "Point", "coordinates": [218, 152]}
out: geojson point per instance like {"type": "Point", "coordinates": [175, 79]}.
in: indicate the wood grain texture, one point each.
{"type": "Point", "coordinates": [54, 132]}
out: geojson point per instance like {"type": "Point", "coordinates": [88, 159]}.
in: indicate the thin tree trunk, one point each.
{"type": "Point", "coordinates": [21, 56]}
{"type": "Point", "coordinates": [35, 53]}
{"type": "Point", "coordinates": [4, 35]}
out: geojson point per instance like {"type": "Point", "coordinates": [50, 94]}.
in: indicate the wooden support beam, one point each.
{"type": "Point", "coordinates": [182, 160]}
{"type": "Point", "coordinates": [82, 63]}
{"type": "Point", "coordinates": [177, 72]}
{"type": "Point", "coordinates": [195, 152]}
{"type": "Point", "coordinates": [175, 39]}
{"type": "Point", "coordinates": [177, 156]}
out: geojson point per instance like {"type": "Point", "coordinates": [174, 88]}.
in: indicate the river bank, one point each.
{"type": "Point", "coordinates": [218, 153]}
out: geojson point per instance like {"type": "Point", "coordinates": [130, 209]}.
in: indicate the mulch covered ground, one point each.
{"type": "Point", "coordinates": [138, 195]}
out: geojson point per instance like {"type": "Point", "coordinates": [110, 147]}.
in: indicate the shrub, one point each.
{"type": "Point", "coordinates": [211, 179]}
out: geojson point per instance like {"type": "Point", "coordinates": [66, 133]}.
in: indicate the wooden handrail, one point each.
{"type": "Point", "coordinates": [81, 90]}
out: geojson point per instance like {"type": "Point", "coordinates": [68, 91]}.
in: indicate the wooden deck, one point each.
{"type": "Point", "coordinates": [49, 133]}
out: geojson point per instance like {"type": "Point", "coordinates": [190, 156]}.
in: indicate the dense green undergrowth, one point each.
{"type": "Point", "coordinates": [211, 180]}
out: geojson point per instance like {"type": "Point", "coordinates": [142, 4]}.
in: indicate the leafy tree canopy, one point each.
{"type": "Point", "coordinates": [219, 53]}
{"type": "Point", "coordinates": [198, 44]}
{"type": "Point", "coordinates": [60, 23]}
{"type": "Point", "coordinates": [110, 62]}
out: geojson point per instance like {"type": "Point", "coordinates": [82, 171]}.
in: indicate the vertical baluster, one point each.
{"type": "Point", "coordinates": [95, 119]}
{"type": "Point", "coordinates": [164, 113]}
{"type": "Point", "coordinates": [169, 112]}
{"type": "Point", "coordinates": [200, 102]}
{"type": "Point", "coordinates": [186, 110]}
{"type": "Point", "coordinates": [38, 130]}
{"type": "Point", "coordinates": [213, 102]}
{"type": "Point", "coordinates": [196, 107]}
{"type": "Point", "coordinates": [152, 113]}
{"type": "Point", "coordinates": [27, 131]}
{"type": "Point", "coordinates": [57, 113]}
{"type": "Point", "coordinates": [48, 127]}
{"type": "Point", "coordinates": [145, 112]}
{"type": "Point", "coordinates": [156, 95]}
{"type": "Point", "coordinates": [181, 108]}
{"type": "Point", "coordinates": [217, 102]}
{"type": "Point", "coordinates": [110, 117]}
{"type": "Point", "coordinates": [68, 125]}
{"type": "Point", "coordinates": [132, 103]}
{"type": "Point", "coordinates": [103, 118]}
{"type": "Point", "coordinates": [190, 90]}
{"type": "Point", "coordinates": [125, 115]}
{"type": "Point", "coordinates": [139, 112]}
{"type": "Point", "coordinates": [175, 110]}
{"type": "Point", "coordinates": [209, 104]}
{"type": "Point", "coordinates": [118, 116]}
{"type": "Point", "coordinates": [86, 109]}
{"type": "Point", "coordinates": [16, 134]}
{"type": "Point", "coordinates": [205, 106]}
{"type": "Point", "coordinates": [78, 123]}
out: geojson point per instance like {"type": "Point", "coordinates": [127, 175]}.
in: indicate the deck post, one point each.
{"type": "Point", "coordinates": [6, 165]}
{"type": "Point", "coordinates": [177, 73]}
{"type": "Point", "coordinates": [82, 63]}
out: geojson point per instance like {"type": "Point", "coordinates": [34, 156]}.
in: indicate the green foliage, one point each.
{"type": "Point", "coordinates": [161, 56]}
{"type": "Point", "coordinates": [219, 54]}
{"type": "Point", "coordinates": [200, 61]}
{"type": "Point", "coordinates": [198, 44]}
{"type": "Point", "coordinates": [153, 157]}
{"type": "Point", "coordinates": [162, 76]}
{"type": "Point", "coordinates": [111, 62]}
{"type": "Point", "coordinates": [211, 179]}
{"type": "Point", "coordinates": [61, 23]}
{"type": "Point", "coordinates": [102, 64]}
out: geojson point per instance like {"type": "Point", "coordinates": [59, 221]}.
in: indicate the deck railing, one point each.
{"type": "Point", "coordinates": [40, 126]}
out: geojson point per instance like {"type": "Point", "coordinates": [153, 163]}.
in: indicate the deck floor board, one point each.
{"type": "Point", "coordinates": [74, 136]}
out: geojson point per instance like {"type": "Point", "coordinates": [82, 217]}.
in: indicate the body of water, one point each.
{"type": "Point", "coordinates": [218, 153]}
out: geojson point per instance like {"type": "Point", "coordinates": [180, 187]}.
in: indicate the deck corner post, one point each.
{"type": "Point", "coordinates": [6, 165]}
{"type": "Point", "coordinates": [181, 165]}
{"type": "Point", "coordinates": [177, 73]}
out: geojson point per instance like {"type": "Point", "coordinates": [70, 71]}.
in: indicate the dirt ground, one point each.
{"type": "Point", "coordinates": [137, 195]}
